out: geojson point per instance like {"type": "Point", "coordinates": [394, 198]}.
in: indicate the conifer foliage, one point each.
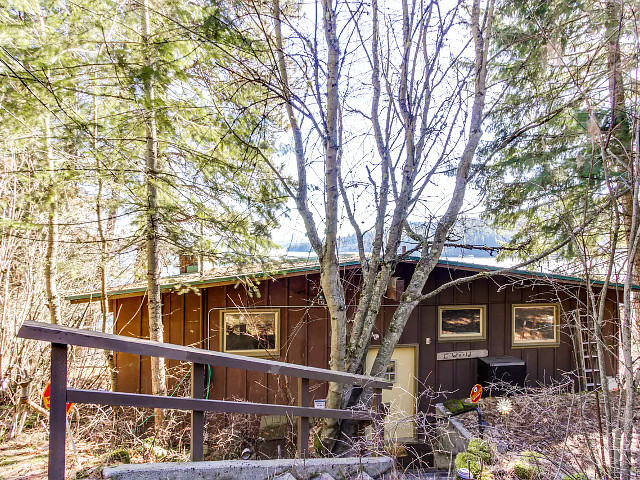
{"type": "Point", "coordinates": [124, 139]}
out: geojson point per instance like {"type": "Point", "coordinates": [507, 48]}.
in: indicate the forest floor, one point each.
{"type": "Point", "coordinates": [25, 458]}
{"type": "Point", "coordinates": [97, 434]}
{"type": "Point", "coordinates": [563, 428]}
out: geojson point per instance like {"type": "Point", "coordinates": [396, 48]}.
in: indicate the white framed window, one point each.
{"type": "Point", "coordinates": [390, 372]}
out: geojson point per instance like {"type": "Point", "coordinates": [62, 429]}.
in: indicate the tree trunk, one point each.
{"type": "Point", "coordinates": [410, 105]}
{"type": "Point", "coordinates": [430, 256]}
{"type": "Point", "coordinates": [619, 146]}
{"type": "Point", "coordinates": [104, 244]}
{"type": "Point", "coordinates": [156, 329]}
{"type": "Point", "coordinates": [51, 258]}
{"type": "Point", "coordinates": [330, 271]}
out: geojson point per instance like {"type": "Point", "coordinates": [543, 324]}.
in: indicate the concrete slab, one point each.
{"type": "Point", "coordinates": [301, 469]}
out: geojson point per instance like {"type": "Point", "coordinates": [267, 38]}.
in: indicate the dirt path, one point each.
{"type": "Point", "coordinates": [25, 458]}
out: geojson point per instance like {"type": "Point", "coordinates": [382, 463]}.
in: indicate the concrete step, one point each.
{"type": "Point", "coordinates": [299, 468]}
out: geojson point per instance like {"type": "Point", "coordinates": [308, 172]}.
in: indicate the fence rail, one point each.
{"type": "Point", "coordinates": [60, 337]}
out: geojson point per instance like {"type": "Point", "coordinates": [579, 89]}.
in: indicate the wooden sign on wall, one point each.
{"type": "Point", "coordinates": [462, 354]}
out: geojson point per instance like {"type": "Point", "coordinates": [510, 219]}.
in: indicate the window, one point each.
{"type": "Point", "coordinates": [390, 372]}
{"type": "Point", "coordinates": [535, 325]}
{"type": "Point", "coordinates": [462, 323]}
{"type": "Point", "coordinates": [251, 332]}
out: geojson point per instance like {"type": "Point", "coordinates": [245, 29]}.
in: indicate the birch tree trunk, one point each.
{"type": "Point", "coordinates": [156, 329]}
{"type": "Point", "coordinates": [413, 294]}
{"type": "Point", "coordinates": [329, 264]}
{"type": "Point", "coordinates": [401, 144]}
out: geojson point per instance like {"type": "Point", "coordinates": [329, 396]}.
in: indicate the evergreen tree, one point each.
{"type": "Point", "coordinates": [82, 92]}
{"type": "Point", "coordinates": [568, 173]}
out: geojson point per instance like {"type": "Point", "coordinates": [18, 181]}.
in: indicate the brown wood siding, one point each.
{"type": "Point", "coordinates": [192, 319]}
{"type": "Point", "coordinates": [128, 316]}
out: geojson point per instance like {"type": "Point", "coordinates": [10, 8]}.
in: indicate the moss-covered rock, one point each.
{"type": "Point", "coordinates": [119, 455]}
{"type": "Point", "coordinates": [456, 406]}
{"type": "Point", "coordinates": [527, 467]}
{"type": "Point", "coordinates": [470, 461]}
{"type": "Point", "coordinates": [482, 449]}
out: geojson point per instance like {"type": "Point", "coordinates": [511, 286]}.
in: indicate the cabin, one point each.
{"type": "Point", "coordinates": [525, 318]}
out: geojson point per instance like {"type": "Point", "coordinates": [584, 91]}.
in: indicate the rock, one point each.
{"type": "Point", "coordinates": [363, 476]}
{"type": "Point", "coordinates": [324, 476]}
{"type": "Point", "coordinates": [285, 476]}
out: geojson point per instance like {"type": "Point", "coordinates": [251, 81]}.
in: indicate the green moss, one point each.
{"type": "Point", "coordinates": [482, 449]}
{"type": "Point", "coordinates": [119, 455]}
{"type": "Point", "coordinates": [470, 461]}
{"type": "Point", "coordinates": [575, 476]}
{"type": "Point", "coordinates": [526, 468]}
{"type": "Point", "coordinates": [459, 406]}
{"type": "Point", "coordinates": [485, 476]}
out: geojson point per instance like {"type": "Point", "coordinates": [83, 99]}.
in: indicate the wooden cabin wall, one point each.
{"type": "Point", "coordinates": [455, 378]}
{"type": "Point", "coordinates": [182, 326]}
{"type": "Point", "coordinates": [302, 317]}
{"type": "Point", "coordinates": [194, 319]}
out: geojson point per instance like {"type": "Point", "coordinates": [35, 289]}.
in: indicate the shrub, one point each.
{"type": "Point", "coordinates": [482, 449]}
{"type": "Point", "coordinates": [470, 461]}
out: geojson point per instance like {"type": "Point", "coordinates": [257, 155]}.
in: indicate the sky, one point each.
{"type": "Point", "coordinates": [358, 144]}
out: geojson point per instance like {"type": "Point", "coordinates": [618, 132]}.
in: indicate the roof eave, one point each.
{"type": "Point", "coordinates": [203, 283]}
{"type": "Point", "coordinates": [232, 279]}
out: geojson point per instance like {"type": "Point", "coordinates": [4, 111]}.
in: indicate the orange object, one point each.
{"type": "Point", "coordinates": [476, 393]}
{"type": "Point", "coordinates": [46, 398]}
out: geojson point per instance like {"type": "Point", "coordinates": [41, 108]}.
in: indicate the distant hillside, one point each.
{"type": "Point", "coordinates": [468, 231]}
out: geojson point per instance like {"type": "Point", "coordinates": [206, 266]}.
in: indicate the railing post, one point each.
{"type": "Point", "coordinates": [303, 422]}
{"type": "Point", "coordinates": [378, 426]}
{"type": "Point", "coordinates": [58, 411]}
{"type": "Point", "coordinates": [197, 417]}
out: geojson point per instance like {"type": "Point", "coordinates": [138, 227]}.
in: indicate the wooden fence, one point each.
{"type": "Point", "coordinates": [60, 337]}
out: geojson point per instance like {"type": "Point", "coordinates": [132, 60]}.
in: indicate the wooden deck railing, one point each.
{"type": "Point", "coordinates": [60, 337]}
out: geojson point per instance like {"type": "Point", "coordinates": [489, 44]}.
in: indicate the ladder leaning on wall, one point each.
{"type": "Point", "coordinates": [585, 345]}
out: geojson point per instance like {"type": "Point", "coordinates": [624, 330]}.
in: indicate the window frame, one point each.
{"type": "Point", "coordinates": [463, 337]}
{"type": "Point", "coordinates": [536, 343]}
{"type": "Point", "coordinates": [252, 352]}
{"type": "Point", "coordinates": [391, 376]}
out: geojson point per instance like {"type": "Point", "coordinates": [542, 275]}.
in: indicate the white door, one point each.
{"type": "Point", "coordinates": [400, 401]}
